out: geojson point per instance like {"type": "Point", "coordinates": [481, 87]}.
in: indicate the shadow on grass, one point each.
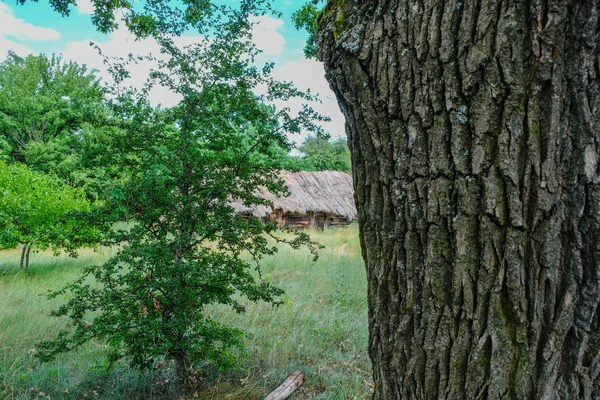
{"type": "Point", "coordinates": [45, 264]}
{"type": "Point", "coordinates": [53, 381]}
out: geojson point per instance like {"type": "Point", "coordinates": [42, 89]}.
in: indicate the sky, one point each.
{"type": "Point", "coordinates": [35, 28]}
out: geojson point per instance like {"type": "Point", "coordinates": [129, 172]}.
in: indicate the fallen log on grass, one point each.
{"type": "Point", "coordinates": [288, 387]}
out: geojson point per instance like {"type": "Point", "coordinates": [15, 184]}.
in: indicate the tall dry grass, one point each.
{"type": "Point", "coordinates": [321, 329]}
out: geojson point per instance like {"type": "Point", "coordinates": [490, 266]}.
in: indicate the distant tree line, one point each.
{"type": "Point", "coordinates": [55, 118]}
{"type": "Point", "coordinates": [320, 153]}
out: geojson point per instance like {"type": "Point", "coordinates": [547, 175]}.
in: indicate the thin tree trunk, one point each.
{"type": "Point", "coordinates": [474, 128]}
{"type": "Point", "coordinates": [27, 257]}
{"type": "Point", "coordinates": [23, 252]}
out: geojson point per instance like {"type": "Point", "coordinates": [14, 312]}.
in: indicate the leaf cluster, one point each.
{"type": "Point", "coordinates": [306, 19]}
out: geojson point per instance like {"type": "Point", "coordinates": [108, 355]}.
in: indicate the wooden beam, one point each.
{"type": "Point", "coordinates": [288, 387]}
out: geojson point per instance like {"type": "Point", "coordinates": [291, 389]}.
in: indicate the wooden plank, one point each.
{"type": "Point", "coordinates": [288, 387]}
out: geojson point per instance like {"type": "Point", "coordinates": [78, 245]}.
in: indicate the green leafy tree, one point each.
{"type": "Point", "coordinates": [39, 211]}
{"type": "Point", "coordinates": [188, 248]}
{"type": "Point", "coordinates": [306, 19]}
{"type": "Point", "coordinates": [55, 119]}
{"type": "Point", "coordinates": [44, 100]}
{"type": "Point", "coordinates": [322, 154]}
{"type": "Point", "coordinates": [318, 153]}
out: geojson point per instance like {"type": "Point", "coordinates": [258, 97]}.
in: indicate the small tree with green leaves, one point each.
{"type": "Point", "coordinates": [39, 211]}
{"type": "Point", "coordinates": [188, 249]}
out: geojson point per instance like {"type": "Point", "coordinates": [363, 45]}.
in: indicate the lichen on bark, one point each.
{"type": "Point", "coordinates": [338, 16]}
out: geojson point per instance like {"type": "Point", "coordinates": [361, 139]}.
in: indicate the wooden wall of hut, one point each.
{"type": "Point", "coordinates": [316, 220]}
{"type": "Point", "coordinates": [333, 220]}
{"type": "Point", "coordinates": [298, 221]}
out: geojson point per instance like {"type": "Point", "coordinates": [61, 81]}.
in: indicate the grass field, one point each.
{"type": "Point", "coordinates": [321, 329]}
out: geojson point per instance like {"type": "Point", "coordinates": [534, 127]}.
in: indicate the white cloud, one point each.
{"type": "Point", "coordinates": [6, 45]}
{"type": "Point", "coordinates": [85, 6]}
{"type": "Point", "coordinates": [310, 74]}
{"type": "Point", "coordinates": [20, 29]}
{"type": "Point", "coordinates": [121, 43]}
{"type": "Point", "coordinates": [266, 36]}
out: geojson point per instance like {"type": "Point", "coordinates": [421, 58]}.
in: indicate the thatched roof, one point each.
{"type": "Point", "coordinates": [321, 191]}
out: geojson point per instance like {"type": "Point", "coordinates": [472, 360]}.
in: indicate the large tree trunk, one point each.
{"type": "Point", "coordinates": [474, 128]}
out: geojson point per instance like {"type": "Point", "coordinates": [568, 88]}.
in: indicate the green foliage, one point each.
{"type": "Point", "coordinates": [157, 17]}
{"type": "Point", "coordinates": [306, 19]}
{"type": "Point", "coordinates": [44, 99]}
{"type": "Point", "coordinates": [322, 154]}
{"type": "Point", "coordinates": [310, 15]}
{"type": "Point", "coordinates": [188, 248]}
{"type": "Point", "coordinates": [318, 153]}
{"type": "Point", "coordinates": [38, 210]}
{"type": "Point", "coordinates": [52, 115]}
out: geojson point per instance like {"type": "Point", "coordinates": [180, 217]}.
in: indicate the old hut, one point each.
{"type": "Point", "coordinates": [317, 199]}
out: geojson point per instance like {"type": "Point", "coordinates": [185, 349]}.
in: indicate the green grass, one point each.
{"type": "Point", "coordinates": [321, 329]}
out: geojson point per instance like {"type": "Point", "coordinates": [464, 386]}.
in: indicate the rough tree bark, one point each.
{"type": "Point", "coordinates": [474, 127]}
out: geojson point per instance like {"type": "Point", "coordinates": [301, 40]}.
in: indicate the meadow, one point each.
{"type": "Point", "coordinates": [320, 329]}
